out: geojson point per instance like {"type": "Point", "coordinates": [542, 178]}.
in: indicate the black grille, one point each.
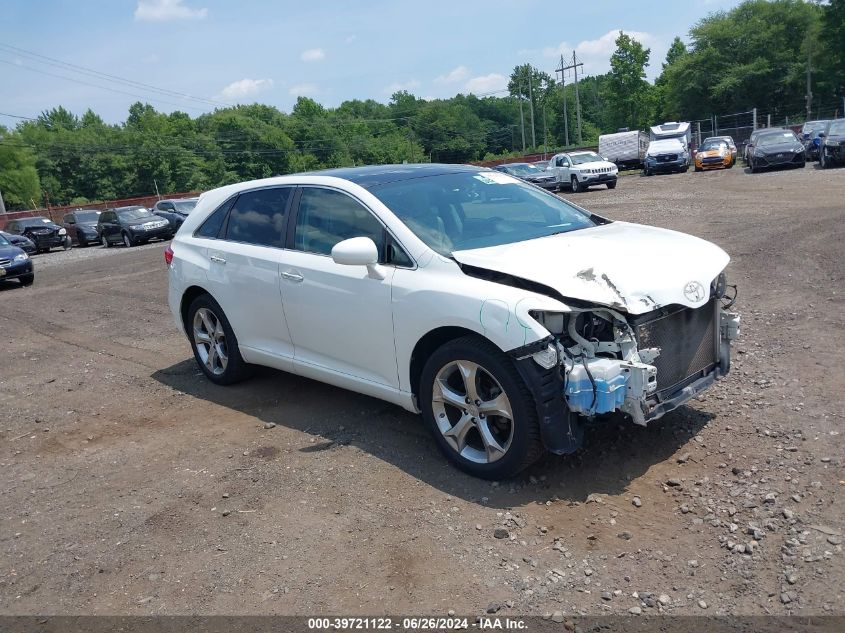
{"type": "Point", "coordinates": [687, 340]}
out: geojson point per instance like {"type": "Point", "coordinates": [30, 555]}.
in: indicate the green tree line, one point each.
{"type": "Point", "coordinates": [755, 55]}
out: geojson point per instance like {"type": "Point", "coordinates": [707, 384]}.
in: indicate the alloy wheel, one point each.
{"type": "Point", "coordinates": [210, 341]}
{"type": "Point", "coordinates": [472, 411]}
{"type": "Point", "coordinates": [126, 241]}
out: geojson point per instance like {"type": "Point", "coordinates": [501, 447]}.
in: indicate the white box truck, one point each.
{"type": "Point", "coordinates": [626, 149]}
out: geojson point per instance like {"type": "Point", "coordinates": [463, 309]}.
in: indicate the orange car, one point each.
{"type": "Point", "coordinates": [714, 154]}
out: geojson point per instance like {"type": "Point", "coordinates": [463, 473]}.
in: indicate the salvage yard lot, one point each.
{"type": "Point", "coordinates": [132, 485]}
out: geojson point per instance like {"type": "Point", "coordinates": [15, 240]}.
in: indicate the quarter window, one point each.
{"type": "Point", "coordinates": [327, 217]}
{"type": "Point", "coordinates": [213, 223]}
{"type": "Point", "coordinates": [258, 217]}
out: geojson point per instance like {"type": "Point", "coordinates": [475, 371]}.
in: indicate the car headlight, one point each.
{"type": "Point", "coordinates": [62, 231]}
{"type": "Point", "coordinates": [21, 257]}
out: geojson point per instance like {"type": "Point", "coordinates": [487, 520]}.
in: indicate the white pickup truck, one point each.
{"type": "Point", "coordinates": [579, 170]}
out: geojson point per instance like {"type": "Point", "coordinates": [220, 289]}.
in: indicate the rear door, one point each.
{"type": "Point", "coordinates": [243, 272]}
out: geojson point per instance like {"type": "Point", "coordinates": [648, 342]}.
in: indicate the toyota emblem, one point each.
{"type": "Point", "coordinates": [694, 291]}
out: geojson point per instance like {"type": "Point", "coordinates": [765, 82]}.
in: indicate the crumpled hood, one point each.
{"type": "Point", "coordinates": [630, 267]}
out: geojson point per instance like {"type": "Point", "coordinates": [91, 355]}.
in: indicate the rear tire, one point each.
{"type": "Point", "coordinates": [697, 168]}
{"type": "Point", "coordinates": [471, 436]}
{"type": "Point", "coordinates": [214, 343]}
{"type": "Point", "coordinates": [27, 280]}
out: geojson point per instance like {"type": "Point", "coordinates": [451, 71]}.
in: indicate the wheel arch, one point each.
{"type": "Point", "coordinates": [191, 293]}
{"type": "Point", "coordinates": [428, 344]}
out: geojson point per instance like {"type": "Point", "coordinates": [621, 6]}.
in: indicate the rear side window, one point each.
{"type": "Point", "coordinates": [213, 223]}
{"type": "Point", "coordinates": [258, 217]}
{"type": "Point", "coordinates": [326, 217]}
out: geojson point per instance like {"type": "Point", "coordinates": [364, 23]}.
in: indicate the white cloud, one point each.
{"type": "Point", "coordinates": [486, 83]}
{"type": "Point", "coordinates": [454, 76]}
{"type": "Point", "coordinates": [303, 90]}
{"type": "Point", "coordinates": [396, 86]}
{"type": "Point", "coordinates": [596, 53]}
{"type": "Point", "coordinates": [165, 10]}
{"type": "Point", "coordinates": [245, 88]}
{"type": "Point", "coordinates": [313, 55]}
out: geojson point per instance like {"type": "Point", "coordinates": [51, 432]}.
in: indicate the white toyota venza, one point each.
{"type": "Point", "coordinates": [503, 314]}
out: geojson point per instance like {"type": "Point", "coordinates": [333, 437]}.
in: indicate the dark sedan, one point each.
{"type": "Point", "coordinates": [81, 226]}
{"type": "Point", "coordinates": [777, 148]}
{"type": "Point", "coordinates": [175, 211]}
{"type": "Point", "coordinates": [24, 243]}
{"type": "Point", "coordinates": [832, 150]}
{"type": "Point", "coordinates": [530, 173]}
{"type": "Point", "coordinates": [45, 233]}
{"type": "Point", "coordinates": [131, 226]}
{"type": "Point", "coordinates": [15, 264]}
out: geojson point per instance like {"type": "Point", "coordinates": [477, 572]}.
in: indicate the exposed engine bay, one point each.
{"type": "Point", "coordinates": [643, 365]}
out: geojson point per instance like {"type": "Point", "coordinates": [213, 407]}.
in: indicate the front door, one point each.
{"type": "Point", "coordinates": [340, 318]}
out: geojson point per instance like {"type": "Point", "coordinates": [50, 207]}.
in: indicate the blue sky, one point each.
{"type": "Point", "coordinates": [245, 51]}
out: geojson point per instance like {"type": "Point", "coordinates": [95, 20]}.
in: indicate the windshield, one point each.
{"type": "Point", "coordinates": [4, 241]}
{"type": "Point", "coordinates": [813, 126]}
{"type": "Point", "coordinates": [138, 213]}
{"type": "Point", "coordinates": [711, 145]}
{"type": "Point", "coordinates": [35, 221]}
{"type": "Point", "coordinates": [87, 216]}
{"type": "Point", "coordinates": [184, 206]}
{"type": "Point", "coordinates": [586, 157]}
{"type": "Point", "coordinates": [454, 212]}
{"type": "Point", "coordinates": [522, 169]}
{"type": "Point", "coordinates": [837, 127]}
{"type": "Point", "coordinates": [775, 139]}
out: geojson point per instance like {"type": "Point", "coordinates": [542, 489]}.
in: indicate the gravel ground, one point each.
{"type": "Point", "coordinates": [132, 486]}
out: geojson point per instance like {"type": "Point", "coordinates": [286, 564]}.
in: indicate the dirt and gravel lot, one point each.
{"type": "Point", "coordinates": [131, 485]}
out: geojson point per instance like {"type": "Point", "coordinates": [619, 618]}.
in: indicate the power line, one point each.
{"type": "Point", "coordinates": [88, 83]}
{"type": "Point", "coordinates": [44, 59]}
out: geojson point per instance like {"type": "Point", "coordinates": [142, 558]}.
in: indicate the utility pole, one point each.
{"type": "Point", "coordinates": [574, 65]}
{"type": "Point", "coordinates": [2, 204]}
{"type": "Point", "coordinates": [769, 120]}
{"type": "Point", "coordinates": [545, 133]}
{"type": "Point", "coordinates": [531, 105]}
{"type": "Point", "coordinates": [754, 119]}
{"type": "Point", "coordinates": [522, 120]}
{"type": "Point", "coordinates": [563, 92]}
{"type": "Point", "coordinates": [809, 73]}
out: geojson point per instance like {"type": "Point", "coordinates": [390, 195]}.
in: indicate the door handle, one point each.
{"type": "Point", "coordinates": [295, 277]}
{"type": "Point", "coordinates": [217, 260]}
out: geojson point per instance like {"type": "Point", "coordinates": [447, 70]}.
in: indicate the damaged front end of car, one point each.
{"type": "Point", "coordinates": [599, 360]}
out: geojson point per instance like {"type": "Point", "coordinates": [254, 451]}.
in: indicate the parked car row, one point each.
{"type": "Point", "coordinates": [575, 171]}
{"type": "Point", "coordinates": [129, 226]}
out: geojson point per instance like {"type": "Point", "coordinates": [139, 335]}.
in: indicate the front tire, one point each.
{"type": "Point", "coordinates": [479, 409]}
{"type": "Point", "coordinates": [27, 280]}
{"type": "Point", "coordinates": [574, 185]}
{"type": "Point", "coordinates": [822, 162]}
{"type": "Point", "coordinates": [105, 242]}
{"type": "Point", "coordinates": [611, 185]}
{"type": "Point", "coordinates": [214, 343]}
{"type": "Point", "coordinates": [127, 241]}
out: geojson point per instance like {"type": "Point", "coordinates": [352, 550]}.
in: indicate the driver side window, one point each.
{"type": "Point", "coordinates": [326, 217]}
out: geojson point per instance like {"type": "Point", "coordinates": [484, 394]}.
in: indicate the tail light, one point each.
{"type": "Point", "coordinates": [168, 255]}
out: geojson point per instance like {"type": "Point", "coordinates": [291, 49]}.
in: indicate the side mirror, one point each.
{"type": "Point", "coordinates": [821, 135]}
{"type": "Point", "coordinates": [358, 251]}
